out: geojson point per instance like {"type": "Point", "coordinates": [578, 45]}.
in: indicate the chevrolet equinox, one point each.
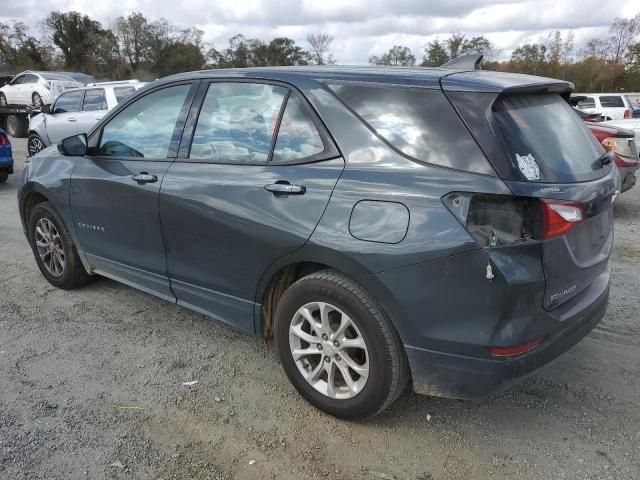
{"type": "Point", "coordinates": [447, 227]}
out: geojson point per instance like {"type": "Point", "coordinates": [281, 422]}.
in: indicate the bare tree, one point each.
{"type": "Point", "coordinates": [319, 54]}
{"type": "Point", "coordinates": [622, 34]}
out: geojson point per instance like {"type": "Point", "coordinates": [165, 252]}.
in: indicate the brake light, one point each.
{"type": "Point", "coordinates": [3, 139]}
{"type": "Point", "coordinates": [627, 113]}
{"type": "Point", "coordinates": [559, 217]}
{"type": "Point", "coordinates": [516, 349]}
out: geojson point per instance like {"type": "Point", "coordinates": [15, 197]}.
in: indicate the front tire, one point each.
{"type": "Point", "coordinates": [53, 248]}
{"type": "Point", "coordinates": [36, 99]}
{"type": "Point", "coordinates": [34, 144]}
{"type": "Point", "coordinates": [337, 346]}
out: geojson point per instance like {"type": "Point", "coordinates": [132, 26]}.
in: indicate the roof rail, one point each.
{"type": "Point", "coordinates": [472, 61]}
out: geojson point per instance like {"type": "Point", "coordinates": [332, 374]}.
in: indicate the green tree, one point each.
{"type": "Point", "coordinates": [180, 57]}
{"type": "Point", "coordinates": [19, 50]}
{"type": "Point", "coordinates": [435, 54]}
{"type": "Point", "coordinates": [76, 35]}
{"type": "Point", "coordinates": [398, 56]}
{"type": "Point", "coordinates": [133, 33]}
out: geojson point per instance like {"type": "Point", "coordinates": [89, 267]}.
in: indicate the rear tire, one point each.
{"type": "Point", "coordinates": [382, 360]}
{"type": "Point", "coordinates": [16, 126]}
{"type": "Point", "coordinates": [53, 249]}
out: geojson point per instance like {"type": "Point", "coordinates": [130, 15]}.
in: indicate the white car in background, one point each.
{"type": "Point", "coordinates": [35, 88]}
{"type": "Point", "coordinates": [632, 124]}
{"type": "Point", "coordinates": [611, 106]}
{"type": "Point", "coordinates": [75, 111]}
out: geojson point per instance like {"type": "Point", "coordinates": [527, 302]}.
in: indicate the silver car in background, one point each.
{"type": "Point", "coordinates": [75, 111]}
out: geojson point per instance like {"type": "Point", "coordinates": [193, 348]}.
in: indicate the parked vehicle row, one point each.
{"type": "Point", "coordinates": [75, 111]}
{"type": "Point", "coordinates": [610, 106]}
{"type": "Point", "coordinates": [446, 226]}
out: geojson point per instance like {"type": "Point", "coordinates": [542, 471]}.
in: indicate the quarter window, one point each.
{"type": "Point", "coordinates": [94, 100]}
{"type": "Point", "coordinates": [236, 122]}
{"type": "Point", "coordinates": [146, 127]}
{"type": "Point", "coordinates": [298, 137]}
{"type": "Point", "coordinates": [122, 92]}
{"type": "Point", "coordinates": [69, 102]}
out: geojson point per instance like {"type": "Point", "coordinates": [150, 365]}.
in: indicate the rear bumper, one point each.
{"type": "Point", "coordinates": [6, 160]}
{"type": "Point", "coordinates": [628, 177]}
{"type": "Point", "coordinates": [457, 376]}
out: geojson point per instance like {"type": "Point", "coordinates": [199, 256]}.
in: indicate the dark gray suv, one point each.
{"type": "Point", "coordinates": [443, 227]}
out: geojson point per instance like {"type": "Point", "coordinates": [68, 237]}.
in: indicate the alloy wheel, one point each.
{"type": "Point", "coordinates": [35, 145]}
{"type": "Point", "coordinates": [329, 350]}
{"type": "Point", "coordinates": [49, 246]}
{"type": "Point", "coordinates": [37, 100]}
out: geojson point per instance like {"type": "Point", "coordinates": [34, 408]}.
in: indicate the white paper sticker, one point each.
{"type": "Point", "coordinates": [528, 166]}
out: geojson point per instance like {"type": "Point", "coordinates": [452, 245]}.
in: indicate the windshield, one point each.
{"type": "Point", "coordinates": [546, 141]}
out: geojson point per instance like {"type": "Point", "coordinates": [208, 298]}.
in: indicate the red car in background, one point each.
{"type": "Point", "coordinates": [622, 143]}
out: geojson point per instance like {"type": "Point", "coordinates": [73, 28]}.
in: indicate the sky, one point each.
{"type": "Point", "coordinates": [361, 28]}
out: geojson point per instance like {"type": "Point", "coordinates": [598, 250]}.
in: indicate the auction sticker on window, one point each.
{"type": "Point", "coordinates": [528, 166]}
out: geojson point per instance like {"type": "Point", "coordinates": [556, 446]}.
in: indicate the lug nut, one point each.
{"type": "Point", "coordinates": [319, 346]}
{"type": "Point", "coordinates": [338, 358]}
{"type": "Point", "coordinates": [335, 343]}
{"type": "Point", "coordinates": [324, 337]}
{"type": "Point", "coordinates": [327, 359]}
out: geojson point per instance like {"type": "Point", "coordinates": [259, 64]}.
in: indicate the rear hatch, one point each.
{"type": "Point", "coordinates": [545, 153]}
{"type": "Point", "coordinates": [59, 86]}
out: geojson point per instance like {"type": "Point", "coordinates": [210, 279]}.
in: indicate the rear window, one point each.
{"type": "Point", "coordinates": [546, 141]}
{"type": "Point", "coordinates": [420, 123]}
{"type": "Point", "coordinates": [608, 101]}
{"type": "Point", "coordinates": [53, 76]}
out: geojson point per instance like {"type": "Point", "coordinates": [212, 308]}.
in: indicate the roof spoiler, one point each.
{"type": "Point", "coordinates": [472, 61]}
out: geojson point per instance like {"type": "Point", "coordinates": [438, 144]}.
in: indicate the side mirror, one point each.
{"type": "Point", "coordinates": [75, 146]}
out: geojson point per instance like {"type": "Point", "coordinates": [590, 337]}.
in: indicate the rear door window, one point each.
{"type": "Point", "coordinates": [608, 101]}
{"type": "Point", "coordinates": [298, 137]}
{"type": "Point", "coordinates": [546, 141]}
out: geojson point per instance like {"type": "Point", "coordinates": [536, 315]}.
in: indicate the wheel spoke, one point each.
{"type": "Point", "coordinates": [298, 353]}
{"type": "Point", "coordinates": [346, 375]}
{"type": "Point", "coordinates": [301, 334]}
{"type": "Point", "coordinates": [344, 323]}
{"type": "Point", "coordinates": [315, 373]}
{"type": "Point", "coordinates": [308, 315]}
{"type": "Point", "coordinates": [357, 342]}
{"type": "Point", "coordinates": [331, 379]}
{"type": "Point", "coordinates": [324, 318]}
{"type": "Point", "coordinates": [361, 370]}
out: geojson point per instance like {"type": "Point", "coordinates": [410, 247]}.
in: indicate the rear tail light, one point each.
{"type": "Point", "coordinates": [559, 217]}
{"type": "Point", "coordinates": [3, 139]}
{"type": "Point", "coordinates": [47, 85]}
{"type": "Point", "coordinates": [498, 220]}
{"type": "Point", "coordinates": [620, 145]}
{"type": "Point", "coordinates": [515, 349]}
{"type": "Point", "coordinates": [627, 113]}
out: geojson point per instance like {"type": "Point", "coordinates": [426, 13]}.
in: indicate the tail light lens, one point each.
{"type": "Point", "coordinates": [559, 217]}
{"type": "Point", "coordinates": [627, 113]}
{"type": "Point", "coordinates": [3, 139]}
{"type": "Point", "coordinates": [47, 85]}
{"type": "Point", "coordinates": [620, 145]}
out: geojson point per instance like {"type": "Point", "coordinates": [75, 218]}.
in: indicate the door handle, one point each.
{"type": "Point", "coordinates": [71, 119]}
{"type": "Point", "coordinates": [145, 177]}
{"type": "Point", "coordinates": [284, 188]}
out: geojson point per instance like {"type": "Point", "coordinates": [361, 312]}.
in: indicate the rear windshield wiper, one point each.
{"type": "Point", "coordinates": [606, 158]}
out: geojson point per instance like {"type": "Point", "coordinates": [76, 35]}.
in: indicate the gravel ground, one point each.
{"type": "Point", "coordinates": [91, 387]}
